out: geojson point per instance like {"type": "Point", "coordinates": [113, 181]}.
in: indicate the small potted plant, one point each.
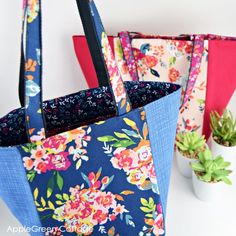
{"type": "Point", "coordinates": [223, 140]}
{"type": "Point", "coordinates": [209, 176]}
{"type": "Point", "coordinates": [189, 144]}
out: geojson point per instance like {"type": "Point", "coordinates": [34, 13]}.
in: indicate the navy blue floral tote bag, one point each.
{"type": "Point", "coordinates": [89, 163]}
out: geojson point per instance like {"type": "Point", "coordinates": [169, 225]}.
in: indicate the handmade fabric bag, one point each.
{"type": "Point", "coordinates": [203, 64]}
{"type": "Point", "coordinates": [83, 164]}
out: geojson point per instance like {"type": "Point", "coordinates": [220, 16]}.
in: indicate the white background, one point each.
{"type": "Point", "coordinates": [62, 75]}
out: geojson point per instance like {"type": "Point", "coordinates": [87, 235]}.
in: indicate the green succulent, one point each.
{"type": "Point", "coordinates": [209, 169]}
{"type": "Point", "coordinates": [223, 128]}
{"type": "Point", "coordinates": [190, 143]}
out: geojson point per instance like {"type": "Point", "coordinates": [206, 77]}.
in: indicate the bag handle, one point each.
{"type": "Point", "coordinates": [126, 46]}
{"type": "Point", "coordinates": [33, 65]}
{"type": "Point", "coordinates": [35, 123]}
{"type": "Point", "coordinates": [21, 86]}
{"type": "Point", "coordinates": [196, 58]}
{"type": "Point", "coordinates": [97, 57]}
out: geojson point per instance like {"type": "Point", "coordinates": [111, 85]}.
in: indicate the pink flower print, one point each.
{"type": "Point", "coordinates": [55, 143]}
{"type": "Point", "coordinates": [106, 200]}
{"type": "Point", "coordinates": [112, 217]}
{"type": "Point", "coordinates": [159, 208]}
{"type": "Point", "coordinates": [100, 217]}
{"type": "Point", "coordinates": [85, 210]}
{"type": "Point", "coordinates": [125, 159]}
{"type": "Point", "coordinates": [94, 182]}
{"type": "Point", "coordinates": [59, 161]}
{"type": "Point", "coordinates": [89, 207]}
{"type": "Point", "coordinates": [158, 225]}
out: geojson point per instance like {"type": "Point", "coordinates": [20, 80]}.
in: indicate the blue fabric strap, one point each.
{"type": "Point", "coordinates": [33, 72]}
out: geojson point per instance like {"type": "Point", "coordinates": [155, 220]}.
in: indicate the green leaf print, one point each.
{"type": "Point", "coordinates": [50, 186]}
{"type": "Point", "coordinates": [107, 138]}
{"type": "Point", "coordinates": [60, 181]}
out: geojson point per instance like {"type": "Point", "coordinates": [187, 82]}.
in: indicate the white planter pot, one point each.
{"type": "Point", "coordinates": [183, 164]}
{"type": "Point", "coordinates": [228, 153]}
{"type": "Point", "coordinates": [208, 191]}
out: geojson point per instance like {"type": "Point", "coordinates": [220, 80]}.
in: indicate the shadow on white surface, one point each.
{"type": "Point", "coordinates": [8, 222]}
{"type": "Point", "coordinates": [188, 216]}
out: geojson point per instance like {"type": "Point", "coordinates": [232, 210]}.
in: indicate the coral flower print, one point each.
{"type": "Point", "coordinates": [115, 78]}
{"type": "Point", "coordinates": [84, 200]}
{"type": "Point", "coordinates": [124, 158]}
{"type": "Point", "coordinates": [151, 61]}
{"type": "Point", "coordinates": [144, 152]}
{"type": "Point", "coordinates": [136, 162]}
{"type": "Point", "coordinates": [173, 75]}
{"type": "Point", "coordinates": [51, 155]}
{"type": "Point", "coordinates": [89, 207]}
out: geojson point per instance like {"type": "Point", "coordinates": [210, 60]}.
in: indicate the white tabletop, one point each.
{"type": "Point", "coordinates": [188, 216]}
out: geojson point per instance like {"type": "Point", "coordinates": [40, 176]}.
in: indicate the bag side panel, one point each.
{"type": "Point", "coordinates": [162, 119]}
{"type": "Point", "coordinates": [15, 190]}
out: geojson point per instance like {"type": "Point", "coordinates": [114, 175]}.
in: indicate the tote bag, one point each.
{"type": "Point", "coordinates": [203, 64]}
{"type": "Point", "coordinates": [83, 164]}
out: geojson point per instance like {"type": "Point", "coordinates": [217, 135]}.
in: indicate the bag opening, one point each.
{"type": "Point", "coordinates": [78, 109]}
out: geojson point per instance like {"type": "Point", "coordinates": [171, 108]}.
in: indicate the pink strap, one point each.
{"type": "Point", "coordinates": [198, 49]}
{"type": "Point", "coordinates": [128, 54]}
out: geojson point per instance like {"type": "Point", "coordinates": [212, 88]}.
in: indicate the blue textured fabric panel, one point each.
{"type": "Point", "coordinates": [162, 120]}
{"type": "Point", "coordinates": [15, 190]}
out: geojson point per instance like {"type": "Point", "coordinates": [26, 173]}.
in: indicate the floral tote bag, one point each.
{"type": "Point", "coordinates": [202, 64]}
{"type": "Point", "coordinates": [88, 163]}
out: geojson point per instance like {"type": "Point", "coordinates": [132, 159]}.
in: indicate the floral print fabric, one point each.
{"type": "Point", "coordinates": [115, 80]}
{"type": "Point", "coordinates": [170, 60]}
{"type": "Point", "coordinates": [33, 71]}
{"type": "Point", "coordinates": [192, 112]}
{"type": "Point", "coordinates": [97, 179]}
{"type": "Point", "coordinates": [121, 98]}
{"type": "Point", "coordinates": [128, 54]}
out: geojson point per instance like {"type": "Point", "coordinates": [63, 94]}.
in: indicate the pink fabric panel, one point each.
{"type": "Point", "coordinates": [221, 82]}
{"type": "Point", "coordinates": [85, 59]}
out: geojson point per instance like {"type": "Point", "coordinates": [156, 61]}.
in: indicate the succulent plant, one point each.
{"type": "Point", "coordinates": [211, 170]}
{"type": "Point", "coordinates": [223, 128]}
{"type": "Point", "coordinates": [190, 144]}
